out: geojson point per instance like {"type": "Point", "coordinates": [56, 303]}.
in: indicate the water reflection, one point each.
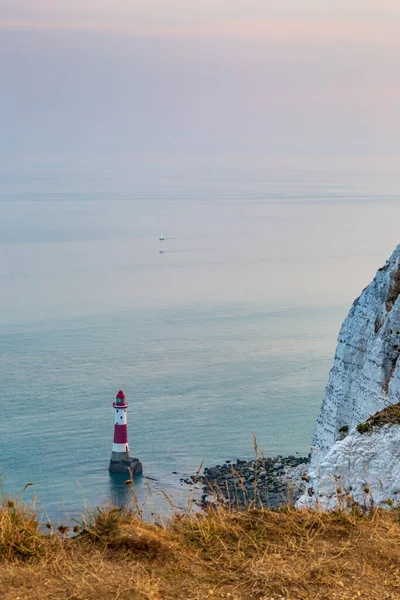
{"type": "Point", "coordinates": [122, 494]}
{"type": "Point", "coordinates": [152, 500]}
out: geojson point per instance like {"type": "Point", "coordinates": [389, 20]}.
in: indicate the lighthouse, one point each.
{"type": "Point", "coordinates": [121, 460]}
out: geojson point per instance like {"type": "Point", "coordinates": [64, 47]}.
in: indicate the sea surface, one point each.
{"type": "Point", "coordinates": [231, 331]}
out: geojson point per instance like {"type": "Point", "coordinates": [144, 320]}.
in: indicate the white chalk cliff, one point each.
{"type": "Point", "coordinates": [362, 468]}
{"type": "Point", "coordinates": [365, 379]}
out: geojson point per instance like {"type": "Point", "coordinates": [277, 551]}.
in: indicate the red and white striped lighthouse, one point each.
{"type": "Point", "coordinates": [121, 460]}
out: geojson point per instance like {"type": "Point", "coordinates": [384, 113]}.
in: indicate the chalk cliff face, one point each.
{"type": "Point", "coordinates": [365, 377]}
{"type": "Point", "coordinates": [362, 468]}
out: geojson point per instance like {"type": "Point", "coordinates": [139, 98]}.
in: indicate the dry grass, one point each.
{"type": "Point", "coordinates": [388, 416]}
{"type": "Point", "coordinates": [242, 555]}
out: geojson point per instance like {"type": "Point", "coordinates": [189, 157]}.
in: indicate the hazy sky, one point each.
{"type": "Point", "coordinates": [240, 76]}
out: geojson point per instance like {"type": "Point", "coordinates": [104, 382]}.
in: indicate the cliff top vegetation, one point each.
{"type": "Point", "coordinates": [250, 554]}
{"type": "Point", "coordinates": [388, 416]}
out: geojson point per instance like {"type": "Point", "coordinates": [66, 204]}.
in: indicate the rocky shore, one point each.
{"type": "Point", "coordinates": [267, 482]}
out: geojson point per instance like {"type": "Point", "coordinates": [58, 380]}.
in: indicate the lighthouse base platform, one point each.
{"type": "Point", "coordinates": [131, 466]}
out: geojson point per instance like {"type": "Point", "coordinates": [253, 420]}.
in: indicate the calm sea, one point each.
{"type": "Point", "coordinates": [230, 331]}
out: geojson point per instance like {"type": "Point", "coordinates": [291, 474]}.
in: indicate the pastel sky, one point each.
{"type": "Point", "coordinates": [240, 76]}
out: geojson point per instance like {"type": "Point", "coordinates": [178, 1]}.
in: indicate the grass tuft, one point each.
{"type": "Point", "coordinates": [388, 416]}
{"type": "Point", "coordinates": [20, 535]}
{"type": "Point", "coordinates": [104, 524]}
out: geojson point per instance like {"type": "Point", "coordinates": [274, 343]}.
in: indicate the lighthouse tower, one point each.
{"type": "Point", "coordinates": [121, 461]}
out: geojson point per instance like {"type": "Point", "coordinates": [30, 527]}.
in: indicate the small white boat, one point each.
{"type": "Point", "coordinates": [161, 251]}
{"type": "Point", "coordinates": [161, 238]}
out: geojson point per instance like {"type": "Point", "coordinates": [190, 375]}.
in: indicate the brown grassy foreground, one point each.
{"type": "Point", "coordinates": [253, 554]}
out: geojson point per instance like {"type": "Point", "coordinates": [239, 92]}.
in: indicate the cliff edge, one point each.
{"type": "Point", "coordinates": [363, 468]}
{"type": "Point", "coordinates": [365, 377]}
